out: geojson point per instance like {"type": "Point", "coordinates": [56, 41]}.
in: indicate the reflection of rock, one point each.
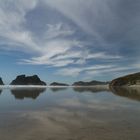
{"type": "Point", "coordinates": [27, 80]}
{"type": "Point", "coordinates": [132, 79]}
{"type": "Point", "coordinates": [1, 82]}
{"type": "Point", "coordinates": [132, 93]}
{"type": "Point", "coordinates": [91, 89]}
{"type": "Point", "coordinates": [0, 91]}
{"type": "Point", "coordinates": [58, 84]}
{"type": "Point", "coordinates": [56, 89]}
{"type": "Point", "coordinates": [27, 93]}
{"type": "Point", "coordinates": [91, 83]}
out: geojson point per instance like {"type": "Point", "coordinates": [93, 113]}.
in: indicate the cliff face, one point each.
{"type": "Point", "coordinates": [91, 83]}
{"type": "Point", "coordinates": [27, 80]}
{"type": "Point", "coordinates": [1, 82]}
{"type": "Point", "coordinates": [58, 84]}
{"type": "Point", "coordinates": [128, 80]}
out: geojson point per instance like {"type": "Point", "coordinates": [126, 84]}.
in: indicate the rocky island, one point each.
{"type": "Point", "coordinates": [58, 84]}
{"type": "Point", "coordinates": [1, 82]}
{"type": "Point", "coordinates": [91, 83]}
{"type": "Point", "coordinates": [128, 80]}
{"type": "Point", "coordinates": [27, 80]}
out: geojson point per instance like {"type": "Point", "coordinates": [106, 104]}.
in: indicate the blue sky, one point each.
{"type": "Point", "coordinates": [69, 40]}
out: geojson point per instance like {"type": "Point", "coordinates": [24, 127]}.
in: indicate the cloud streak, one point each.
{"type": "Point", "coordinates": [91, 37]}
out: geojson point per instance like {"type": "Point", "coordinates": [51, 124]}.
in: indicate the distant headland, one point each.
{"type": "Point", "coordinates": [58, 84]}
{"type": "Point", "coordinates": [91, 83]}
{"type": "Point", "coordinates": [128, 80]}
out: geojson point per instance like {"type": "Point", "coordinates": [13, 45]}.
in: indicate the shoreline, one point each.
{"type": "Point", "coordinates": [126, 86]}
{"type": "Point", "coordinates": [48, 86]}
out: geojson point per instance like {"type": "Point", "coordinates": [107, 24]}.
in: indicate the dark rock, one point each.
{"type": "Point", "coordinates": [27, 80]}
{"type": "Point", "coordinates": [128, 80]}
{"type": "Point", "coordinates": [91, 83]}
{"type": "Point", "coordinates": [1, 82]}
{"type": "Point", "coordinates": [58, 84]}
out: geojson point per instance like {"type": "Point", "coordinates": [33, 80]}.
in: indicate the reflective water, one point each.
{"type": "Point", "coordinates": [70, 114]}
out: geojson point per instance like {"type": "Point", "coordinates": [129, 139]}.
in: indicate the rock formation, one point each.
{"type": "Point", "coordinates": [91, 83]}
{"type": "Point", "coordinates": [128, 80]}
{"type": "Point", "coordinates": [27, 80]}
{"type": "Point", "coordinates": [58, 84]}
{"type": "Point", "coordinates": [1, 82]}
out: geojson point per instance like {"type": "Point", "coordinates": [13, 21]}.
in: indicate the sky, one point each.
{"type": "Point", "coordinates": [69, 40]}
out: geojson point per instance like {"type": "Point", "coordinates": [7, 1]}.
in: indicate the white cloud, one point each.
{"type": "Point", "coordinates": [75, 71]}
{"type": "Point", "coordinates": [136, 65]}
{"type": "Point", "coordinates": [98, 70]}
{"type": "Point", "coordinates": [55, 50]}
{"type": "Point", "coordinates": [58, 30]}
{"type": "Point", "coordinates": [51, 63]}
{"type": "Point", "coordinates": [58, 48]}
{"type": "Point", "coordinates": [116, 70]}
{"type": "Point", "coordinates": [69, 72]}
{"type": "Point", "coordinates": [89, 14]}
{"type": "Point", "coordinates": [11, 20]}
{"type": "Point", "coordinates": [65, 55]}
{"type": "Point", "coordinates": [52, 53]}
{"type": "Point", "coordinates": [103, 55]}
{"type": "Point", "coordinates": [104, 21]}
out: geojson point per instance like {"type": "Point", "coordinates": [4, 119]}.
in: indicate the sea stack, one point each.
{"type": "Point", "coordinates": [1, 82]}
{"type": "Point", "coordinates": [27, 80]}
{"type": "Point", "coordinates": [58, 84]}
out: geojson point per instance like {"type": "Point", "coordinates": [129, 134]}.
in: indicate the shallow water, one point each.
{"type": "Point", "coordinates": [69, 114]}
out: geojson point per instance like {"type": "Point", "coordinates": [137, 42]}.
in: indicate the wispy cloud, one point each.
{"type": "Point", "coordinates": [98, 70]}
{"type": "Point", "coordinates": [63, 56]}
{"type": "Point", "coordinates": [90, 37]}
{"type": "Point", "coordinates": [58, 30]}
{"type": "Point", "coordinates": [103, 19]}
{"type": "Point", "coordinates": [11, 30]}
{"type": "Point", "coordinates": [73, 71]}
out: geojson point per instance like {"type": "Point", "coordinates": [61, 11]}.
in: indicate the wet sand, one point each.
{"type": "Point", "coordinates": [70, 115]}
{"type": "Point", "coordinates": [61, 124]}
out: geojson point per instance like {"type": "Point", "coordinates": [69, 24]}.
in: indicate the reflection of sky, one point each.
{"type": "Point", "coordinates": [67, 99]}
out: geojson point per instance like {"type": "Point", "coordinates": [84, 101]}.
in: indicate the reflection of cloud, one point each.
{"type": "Point", "coordinates": [73, 116]}
{"type": "Point", "coordinates": [85, 102]}
{"type": "Point", "coordinates": [27, 92]}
